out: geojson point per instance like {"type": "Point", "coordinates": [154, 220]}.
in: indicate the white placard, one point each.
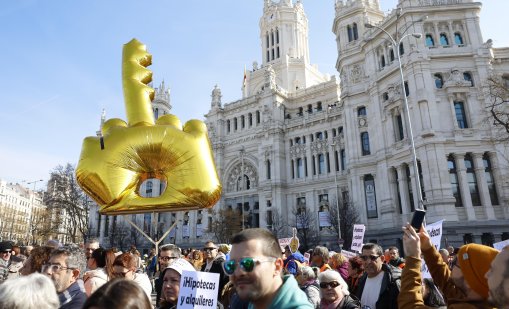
{"type": "Point", "coordinates": [307, 257]}
{"type": "Point", "coordinates": [324, 218]}
{"type": "Point", "coordinates": [435, 233]}
{"type": "Point", "coordinates": [198, 290]}
{"type": "Point", "coordinates": [185, 231]}
{"type": "Point", "coordinates": [358, 237]}
{"type": "Point", "coordinates": [199, 230]}
{"type": "Point", "coordinates": [501, 244]}
{"type": "Point", "coordinates": [348, 254]}
{"type": "Point", "coordinates": [283, 242]}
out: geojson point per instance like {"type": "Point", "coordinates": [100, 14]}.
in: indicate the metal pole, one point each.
{"type": "Point", "coordinates": [31, 210]}
{"type": "Point", "coordinates": [337, 191]}
{"type": "Point", "coordinates": [412, 142]}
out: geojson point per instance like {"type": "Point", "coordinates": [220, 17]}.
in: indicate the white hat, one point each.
{"type": "Point", "coordinates": [180, 265]}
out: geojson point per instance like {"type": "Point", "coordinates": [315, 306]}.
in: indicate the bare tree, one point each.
{"type": "Point", "coordinates": [276, 224]}
{"type": "Point", "coordinates": [225, 223]}
{"type": "Point", "coordinates": [497, 90]}
{"type": "Point", "coordinates": [307, 232]}
{"type": "Point", "coordinates": [119, 234]}
{"type": "Point", "coordinates": [68, 204]}
{"type": "Point", "coordinates": [348, 215]}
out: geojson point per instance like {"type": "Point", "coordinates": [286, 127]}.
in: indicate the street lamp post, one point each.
{"type": "Point", "coordinates": [412, 142]}
{"type": "Point", "coordinates": [32, 209]}
{"type": "Point", "coordinates": [333, 145]}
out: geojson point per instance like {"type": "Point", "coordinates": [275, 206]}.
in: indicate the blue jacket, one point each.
{"type": "Point", "coordinates": [74, 297]}
{"type": "Point", "coordinates": [289, 296]}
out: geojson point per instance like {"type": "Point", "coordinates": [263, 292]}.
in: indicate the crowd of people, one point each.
{"type": "Point", "coordinates": [255, 272]}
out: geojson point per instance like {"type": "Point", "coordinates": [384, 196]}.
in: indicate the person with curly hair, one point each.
{"type": "Point", "coordinates": [38, 257]}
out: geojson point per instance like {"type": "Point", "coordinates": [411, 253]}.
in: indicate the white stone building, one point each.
{"type": "Point", "coordinates": [299, 139]}
{"type": "Point", "coordinates": [22, 213]}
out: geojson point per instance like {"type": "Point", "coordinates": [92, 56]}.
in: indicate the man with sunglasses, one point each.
{"type": "Point", "coordinates": [167, 255]}
{"type": "Point", "coordinates": [256, 271]}
{"type": "Point", "coordinates": [213, 264]}
{"type": "Point", "coordinates": [9, 267]}
{"type": "Point", "coordinates": [379, 286]}
{"type": "Point", "coordinates": [64, 268]}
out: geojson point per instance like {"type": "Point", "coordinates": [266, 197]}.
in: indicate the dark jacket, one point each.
{"type": "Point", "coordinates": [389, 290]}
{"type": "Point", "coordinates": [349, 302]}
{"type": "Point", "coordinates": [217, 268]}
{"type": "Point", "coordinates": [74, 297]}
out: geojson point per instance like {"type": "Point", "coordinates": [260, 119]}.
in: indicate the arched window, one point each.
{"type": "Point", "coordinates": [461, 115]}
{"type": "Point", "coordinates": [300, 168]}
{"type": "Point", "coordinates": [272, 38]}
{"type": "Point", "coordinates": [401, 49]}
{"type": "Point", "coordinates": [333, 132]}
{"type": "Point", "coordinates": [391, 54]}
{"type": "Point", "coordinates": [355, 32]}
{"type": "Point", "coordinates": [277, 36]}
{"type": "Point", "coordinates": [430, 42]}
{"type": "Point", "coordinates": [301, 111]}
{"type": "Point", "coordinates": [268, 169]}
{"type": "Point", "coordinates": [257, 117]}
{"type": "Point", "coordinates": [156, 113]}
{"type": "Point", "coordinates": [407, 89]}
{"type": "Point", "coordinates": [439, 80]}
{"type": "Point", "coordinates": [468, 77]}
{"type": "Point", "coordinates": [350, 33]}
{"type": "Point", "coordinates": [382, 61]}
{"type": "Point", "coordinates": [453, 177]}
{"type": "Point", "coordinates": [242, 122]}
{"type": "Point", "coordinates": [458, 39]}
{"type": "Point", "coordinates": [444, 41]}
{"type": "Point", "coordinates": [365, 144]}
{"type": "Point", "coordinates": [297, 140]}
{"type": "Point", "coordinates": [228, 128]}
{"type": "Point", "coordinates": [319, 136]}
{"type": "Point", "coordinates": [325, 134]}
{"type": "Point", "coordinates": [318, 106]}
{"type": "Point", "coordinates": [235, 123]}
{"type": "Point", "coordinates": [361, 111]}
{"type": "Point", "coordinates": [250, 119]}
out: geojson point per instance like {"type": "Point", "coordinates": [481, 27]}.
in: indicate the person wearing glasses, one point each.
{"type": "Point", "coordinates": [335, 294]}
{"type": "Point", "coordinates": [64, 268]}
{"type": "Point", "coordinates": [256, 271]}
{"type": "Point", "coordinates": [213, 264]}
{"type": "Point", "coordinates": [167, 255]}
{"type": "Point", "coordinates": [125, 267]}
{"type": "Point", "coordinates": [380, 284]}
{"type": "Point", "coordinates": [9, 267]}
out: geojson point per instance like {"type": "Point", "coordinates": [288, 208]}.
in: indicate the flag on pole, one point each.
{"type": "Point", "coordinates": [245, 77]}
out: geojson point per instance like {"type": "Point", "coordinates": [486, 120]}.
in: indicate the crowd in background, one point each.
{"type": "Point", "coordinates": [255, 272]}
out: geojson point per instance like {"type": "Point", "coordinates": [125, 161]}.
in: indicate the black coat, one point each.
{"type": "Point", "coordinates": [217, 268]}
{"type": "Point", "coordinates": [389, 290]}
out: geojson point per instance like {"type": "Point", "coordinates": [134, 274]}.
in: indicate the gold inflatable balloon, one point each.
{"type": "Point", "coordinates": [112, 167]}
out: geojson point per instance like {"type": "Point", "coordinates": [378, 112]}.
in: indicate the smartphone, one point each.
{"type": "Point", "coordinates": [418, 218]}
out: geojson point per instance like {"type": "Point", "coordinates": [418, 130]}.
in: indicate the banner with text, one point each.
{"type": "Point", "coordinates": [324, 219]}
{"type": "Point", "coordinates": [358, 237]}
{"type": "Point", "coordinates": [348, 254]}
{"type": "Point", "coordinates": [435, 233]}
{"type": "Point", "coordinates": [198, 290]}
{"type": "Point", "coordinates": [283, 242]}
{"type": "Point", "coordinates": [501, 244]}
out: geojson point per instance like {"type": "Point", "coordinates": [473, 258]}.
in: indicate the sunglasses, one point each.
{"type": "Point", "coordinates": [246, 264]}
{"type": "Point", "coordinates": [369, 257]}
{"type": "Point", "coordinates": [332, 284]}
{"type": "Point", "coordinates": [209, 249]}
{"type": "Point", "coordinates": [167, 258]}
{"type": "Point", "coordinates": [5, 252]}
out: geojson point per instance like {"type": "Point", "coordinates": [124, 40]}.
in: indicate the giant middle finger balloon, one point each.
{"type": "Point", "coordinates": [112, 167]}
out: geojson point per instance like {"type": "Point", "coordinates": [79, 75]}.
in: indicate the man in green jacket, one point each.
{"type": "Point", "coordinates": [255, 269]}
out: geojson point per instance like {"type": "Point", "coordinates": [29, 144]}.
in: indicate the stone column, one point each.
{"type": "Point", "coordinates": [403, 189]}
{"type": "Point", "coordinates": [461, 170]}
{"type": "Point", "coordinates": [415, 196]}
{"type": "Point", "coordinates": [483, 186]}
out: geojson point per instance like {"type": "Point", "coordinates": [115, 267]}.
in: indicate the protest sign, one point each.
{"type": "Point", "coordinates": [283, 242]}
{"type": "Point", "coordinates": [324, 219]}
{"type": "Point", "coordinates": [348, 254]}
{"type": "Point", "coordinates": [435, 233]}
{"type": "Point", "coordinates": [198, 290]}
{"type": "Point", "coordinates": [306, 257]}
{"type": "Point", "coordinates": [501, 244]}
{"type": "Point", "coordinates": [358, 237]}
